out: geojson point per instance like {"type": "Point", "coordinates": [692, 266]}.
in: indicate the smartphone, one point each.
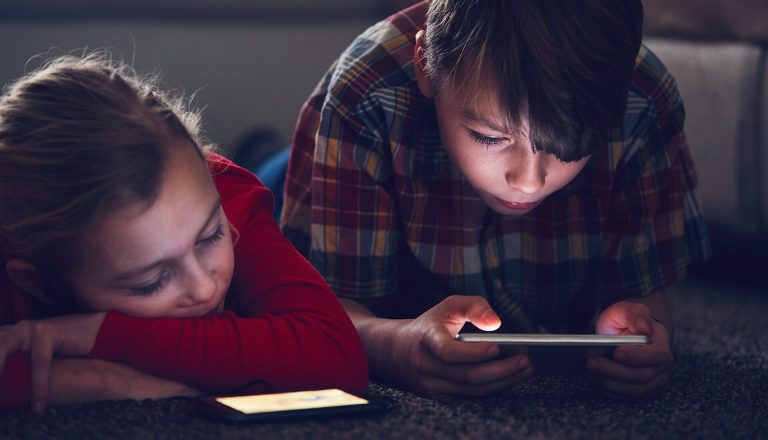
{"type": "Point", "coordinates": [290, 406]}
{"type": "Point", "coordinates": [556, 353]}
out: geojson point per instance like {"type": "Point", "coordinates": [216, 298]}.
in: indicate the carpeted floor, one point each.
{"type": "Point", "coordinates": [719, 389]}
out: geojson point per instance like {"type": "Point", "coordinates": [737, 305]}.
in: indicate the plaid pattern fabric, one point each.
{"type": "Point", "coordinates": [374, 202]}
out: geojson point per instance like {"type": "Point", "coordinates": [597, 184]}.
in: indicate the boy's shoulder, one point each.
{"type": "Point", "coordinates": [653, 118]}
{"type": "Point", "coordinates": [379, 58]}
{"type": "Point", "coordinates": [653, 84]}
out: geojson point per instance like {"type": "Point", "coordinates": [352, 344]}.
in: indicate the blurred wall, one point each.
{"type": "Point", "coordinates": [250, 63]}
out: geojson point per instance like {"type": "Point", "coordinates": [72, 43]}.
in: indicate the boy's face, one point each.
{"type": "Point", "coordinates": [497, 158]}
{"type": "Point", "coordinates": [172, 258]}
{"type": "Point", "coordinates": [494, 156]}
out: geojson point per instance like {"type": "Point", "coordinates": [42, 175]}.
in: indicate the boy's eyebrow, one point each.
{"type": "Point", "coordinates": [134, 272]}
{"type": "Point", "coordinates": [474, 117]}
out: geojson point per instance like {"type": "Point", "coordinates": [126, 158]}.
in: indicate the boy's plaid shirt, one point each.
{"type": "Point", "coordinates": [376, 205]}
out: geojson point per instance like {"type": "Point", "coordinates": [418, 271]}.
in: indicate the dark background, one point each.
{"type": "Point", "coordinates": [252, 63]}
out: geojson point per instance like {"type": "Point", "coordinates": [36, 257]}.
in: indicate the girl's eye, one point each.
{"type": "Point", "coordinates": [485, 140]}
{"type": "Point", "coordinates": [149, 289]}
{"type": "Point", "coordinates": [213, 238]}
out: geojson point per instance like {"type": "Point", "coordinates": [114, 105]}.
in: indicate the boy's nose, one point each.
{"type": "Point", "coordinates": [527, 174]}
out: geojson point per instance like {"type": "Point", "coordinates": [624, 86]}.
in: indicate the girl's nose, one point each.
{"type": "Point", "coordinates": [201, 286]}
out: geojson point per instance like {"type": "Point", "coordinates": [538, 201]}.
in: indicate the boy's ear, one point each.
{"type": "Point", "coordinates": [420, 64]}
{"type": "Point", "coordinates": [27, 278]}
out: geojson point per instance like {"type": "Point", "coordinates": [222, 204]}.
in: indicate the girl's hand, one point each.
{"type": "Point", "coordinates": [68, 336]}
{"type": "Point", "coordinates": [90, 380]}
{"type": "Point", "coordinates": [634, 370]}
{"type": "Point", "coordinates": [428, 359]}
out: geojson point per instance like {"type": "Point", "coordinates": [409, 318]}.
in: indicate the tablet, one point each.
{"type": "Point", "coordinates": [556, 353]}
{"type": "Point", "coordinates": [554, 339]}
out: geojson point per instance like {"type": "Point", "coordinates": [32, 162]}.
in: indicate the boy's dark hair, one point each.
{"type": "Point", "coordinates": [565, 64]}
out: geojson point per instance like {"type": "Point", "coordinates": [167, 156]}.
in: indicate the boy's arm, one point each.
{"type": "Point", "coordinates": [423, 355]}
{"type": "Point", "coordinates": [654, 229]}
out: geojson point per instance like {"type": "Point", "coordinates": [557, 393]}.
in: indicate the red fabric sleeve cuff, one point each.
{"type": "Point", "coordinates": [14, 382]}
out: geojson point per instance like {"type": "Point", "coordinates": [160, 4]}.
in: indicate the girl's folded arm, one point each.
{"type": "Point", "coordinates": [295, 346]}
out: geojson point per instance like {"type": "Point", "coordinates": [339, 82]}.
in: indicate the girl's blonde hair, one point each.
{"type": "Point", "coordinates": [79, 137]}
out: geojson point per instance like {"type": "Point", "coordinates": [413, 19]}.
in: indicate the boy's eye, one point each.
{"type": "Point", "coordinates": [149, 289]}
{"type": "Point", "coordinates": [485, 140]}
{"type": "Point", "coordinates": [213, 238]}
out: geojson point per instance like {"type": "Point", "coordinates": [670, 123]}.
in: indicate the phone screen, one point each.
{"type": "Point", "coordinates": [266, 403]}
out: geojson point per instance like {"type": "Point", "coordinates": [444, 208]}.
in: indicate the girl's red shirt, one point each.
{"type": "Point", "coordinates": [282, 328]}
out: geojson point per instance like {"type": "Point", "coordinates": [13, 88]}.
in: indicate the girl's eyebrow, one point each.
{"type": "Point", "coordinates": [212, 215]}
{"type": "Point", "coordinates": [144, 269]}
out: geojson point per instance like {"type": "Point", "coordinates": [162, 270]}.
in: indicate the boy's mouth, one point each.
{"type": "Point", "coordinates": [518, 206]}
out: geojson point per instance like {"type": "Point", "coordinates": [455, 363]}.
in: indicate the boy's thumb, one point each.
{"type": "Point", "coordinates": [643, 326]}
{"type": "Point", "coordinates": [484, 318]}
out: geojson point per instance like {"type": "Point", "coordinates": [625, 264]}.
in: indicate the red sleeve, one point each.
{"type": "Point", "coordinates": [14, 377]}
{"type": "Point", "coordinates": [14, 382]}
{"type": "Point", "coordinates": [290, 333]}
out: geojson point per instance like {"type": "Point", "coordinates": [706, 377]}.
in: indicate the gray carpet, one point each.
{"type": "Point", "coordinates": [719, 389]}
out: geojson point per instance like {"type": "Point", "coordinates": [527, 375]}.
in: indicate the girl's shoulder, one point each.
{"type": "Point", "coordinates": [243, 196]}
{"type": "Point", "coordinates": [225, 172]}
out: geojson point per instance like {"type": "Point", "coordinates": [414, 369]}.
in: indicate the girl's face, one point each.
{"type": "Point", "coordinates": [172, 258]}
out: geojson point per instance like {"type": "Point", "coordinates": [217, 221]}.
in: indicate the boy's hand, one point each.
{"type": "Point", "coordinates": [431, 361]}
{"type": "Point", "coordinates": [635, 370]}
{"type": "Point", "coordinates": [71, 336]}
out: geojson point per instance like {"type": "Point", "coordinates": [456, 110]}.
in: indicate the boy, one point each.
{"type": "Point", "coordinates": [525, 156]}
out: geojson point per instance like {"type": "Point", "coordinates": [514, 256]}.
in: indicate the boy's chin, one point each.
{"type": "Point", "coordinates": [506, 212]}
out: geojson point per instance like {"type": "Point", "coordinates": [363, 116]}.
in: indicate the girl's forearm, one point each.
{"type": "Point", "coordinates": [302, 344]}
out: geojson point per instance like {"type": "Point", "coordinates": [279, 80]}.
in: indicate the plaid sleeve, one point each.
{"type": "Point", "coordinates": [655, 228]}
{"type": "Point", "coordinates": [345, 220]}
{"type": "Point", "coordinates": [297, 195]}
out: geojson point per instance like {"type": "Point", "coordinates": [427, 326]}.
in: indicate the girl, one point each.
{"type": "Point", "coordinates": [138, 264]}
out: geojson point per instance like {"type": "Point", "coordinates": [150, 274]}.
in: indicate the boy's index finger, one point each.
{"type": "Point", "coordinates": [643, 355]}
{"type": "Point", "coordinates": [454, 351]}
